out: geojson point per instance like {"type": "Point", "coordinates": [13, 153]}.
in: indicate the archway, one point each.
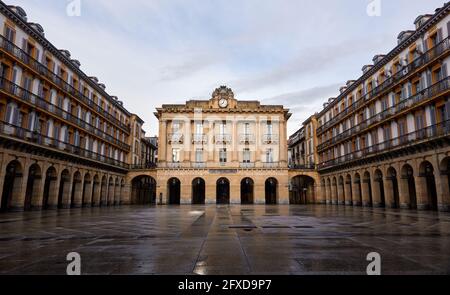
{"type": "Point", "coordinates": [341, 192]}
{"type": "Point", "coordinates": [379, 188]}
{"type": "Point", "coordinates": [64, 189]}
{"type": "Point", "coordinates": [428, 185]}
{"type": "Point", "coordinates": [96, 191]}
{"type": "Point", "coordinates": [50, 193]}
{"type": "Point", "coordinates": [76, 194]}
{"type": "Point", "coordinates": [328, 191]}
{"type": "Point", "coordinates": [198, 191]}
{"type": "Point", "coordinates": [247, 191]}
{"type": "Point", "coordinates": [271, 191]}
{"type": "Point", "coordinates": [86, 198]}
{"type": "Point", "coordinates": [302, 190]}
{"type": "Point", "coordinates": [348, 190]}
{"type": "Point", "coordinates": [334, 191]}
{"type": "Point", "coordinates": [356, 190]}
{"type": "Point", "coordinates": [392, 188]}
{"type": "Point", "coordinates": [11, 185]}
{"type": "Point", "coordinates": [110, 197]}
{"type": "Point", "coordinates": [444, 168]}
{"type": "Point", "coordinates": [223, 191]}
{"type": "Point", "coordinates": [174, 191]}
{"type": "Point", "coordinates": [143, 190]}
{"type": "Point", "coordinates": [33, 187]}
{"type": "Point", "coordinates": [409, 187]}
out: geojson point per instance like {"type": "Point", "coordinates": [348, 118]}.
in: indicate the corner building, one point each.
{"type": "Point", "coordinates": [384, 141]}
{"type": "Point", "coordinates": [223, 151]}
{"type": "Point", "coordinates": [64, 141]}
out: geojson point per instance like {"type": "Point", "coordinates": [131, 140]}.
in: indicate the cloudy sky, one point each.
{"type": "Point", "coordinates": [291, 52]}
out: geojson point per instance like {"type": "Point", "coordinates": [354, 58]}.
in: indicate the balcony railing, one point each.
{"type": "Point", "coordinates": [246, 138]}
{"type": "Point", "coordinates": [302, 167]}
{"type": "Point", "coordinates": [430, 55]}
{"type": "Point", "coordinates": [270, 138]}
{"type": "Point", "coordinates": [173, 165]}
{"type": "Point", "coordinates": [27, 59]}
{"type": "Point", "coordinates": [247, 165]}
{"type": "Point", "coordinates": [271, 164]}
{"type": "Point", "coordinates": [198, 165]}
{"type": "Point", "coordinates": [41, 104]}
{"type": "Point", "coordinates": [45, 141]}
{"type": "Point", "coordinates": [432, 91]}
{"type": "Point", "coordinates": [175, 138]}
{"type": "Point", "coordinates": [199, 138]}
{"type": "Point", "coordinates": [223, 138]}
{"type": "Point", "coordinates": [426, 134]}
{"type": "Point", "coordinates": [143, 166]}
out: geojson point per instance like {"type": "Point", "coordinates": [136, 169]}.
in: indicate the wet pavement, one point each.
{"type": "Point", "coordinates": [225, 240]}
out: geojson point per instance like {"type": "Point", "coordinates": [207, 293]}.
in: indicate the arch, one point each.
{"type": "Point", "coordinates": [122, 191]}
{"type": "Point", "coordinates": [379, 197]}
{"type": "Point", "coordinates": [444, 169]}
{"type": "Point", "coordinates": [143, 190]}
{"type": "Point", "coordinates": [86, 198]}
{"type": "Point", "coordinates": [334, 191]}
{"type": "Point", "coordinates": [302, 190]}
{"type": "Point", "coordinates": [408, 199]}
{"type": "Point", "coordinates": [367, 190]}
{"type": "Point", "coordinates": [247, 188]}
{"type": "Point", "coordinates": [12, 186]}
{"type": "Point", "coordinates": [198, 191]}
{"type": "Point", "coordinates": [328, 191]}
{"type": "Point", "coordinates": [428, 194]}
{"type": "Point", "coordinates": [64, 189]}
{"type": "Point", "coordinates": [117, 192]}
{"type": "Point", "coordinates": [77, 190]}
{"type": "Point", "coordinates": [271, 191]}
{"type": "Point", "coordinates": [223, 191]}
{"type": "Point", "coordinates": [174, 191]}
{"type": "Point", "coordinates": [32, 198]}
{"type": "Point", "coordinates": [50, 196]}
{"type": "Point", "coordinates": [391, 188]}
{"type": "Point", "coordinates": [341, 193]}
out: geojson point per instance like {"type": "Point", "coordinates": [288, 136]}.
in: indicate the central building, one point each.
{"type": "Point", "coordinates": [222, 151]}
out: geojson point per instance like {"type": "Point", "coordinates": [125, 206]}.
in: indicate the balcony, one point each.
{"type": "Point", "coordinates": [271, 164]}
{"type": "Point", "coordinates": [43, 105]}
{"type": "Point", "coordinates": [302, 166]}
{"type": "Point", "coordinates": [432, 54]}
{"type": "Point", "coordinates": [436, 89]}
{"type": "Point", "coordinates": [246, 138]}
{"type": "Point", "coordinates": [270, 138]}
{"type": "Point", "coordinates": [199, 138]}
{"type": "Point", "coordinates": [175, 138]}
{"type": "Point", "coordinates": [173, 165]}
{"type": "Point", "coordinates": [246, 165]}
{"type": "Point", "coordinates": [33, 137]}
{"type": "Point", "coordinates": [223, 138]}
{"type": "Point", "coordinates": [426, 134]}
{"type": "Point", "coordinates": [198, 165]}
{"type": "Point", "coordinates": [43, 70]}
{"type": "Point", "coordinates": [143, 166]}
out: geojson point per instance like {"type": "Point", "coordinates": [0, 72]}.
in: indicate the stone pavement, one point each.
{"type": "Point", "coordinates": [225, 240]}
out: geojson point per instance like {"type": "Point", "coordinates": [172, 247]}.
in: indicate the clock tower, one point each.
{"type": "Point", "coordinates": [223, 98]}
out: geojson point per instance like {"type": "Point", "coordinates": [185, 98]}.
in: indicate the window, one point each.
{"type": "Point", "coordinates": [12, 114]}
{"type": "Point", "coordinates": [269, 128]}
{"type": "Point", "coordinates": [175, 155]}
{"type": "Point", "coordinates": [9, 34]}
{"type": "Point", "coordinates": [247, 128]}
{"type": "Point", "coordinates": [246, 155]}
{"type": "Point", "coordinates": [223, 155]}
{"type": "Point", "coordinates": [269, 155]}
{"type": "Point", "coordinates": [222, 128]}
{"type": "Point", "coordinates": [199, 155]}
{"type": "Point", "coordinates": [199, 128]}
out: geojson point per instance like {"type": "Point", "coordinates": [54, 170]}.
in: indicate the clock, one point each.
{"type": "Point", "coordinates": [223, 103]}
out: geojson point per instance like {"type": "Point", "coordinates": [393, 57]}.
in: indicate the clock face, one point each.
{"type": "Point", "coordinates": [223, 103]}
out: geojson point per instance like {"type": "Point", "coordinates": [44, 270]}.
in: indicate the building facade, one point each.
{"type": "Point", "coordinates": [64, 141]}
{"type": "Point", "coordinates": [384, 140]}
{"type": "Point", "coordinates": [222, 151]}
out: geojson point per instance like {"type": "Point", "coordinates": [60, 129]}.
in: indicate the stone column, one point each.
{"type": "Point", "coordinates": [376, 193]}
{"type": "Point", "coordinates": [117, 194]}
{"type": "Point", "coordinates": [186, 193]}
{"type": "Point", "coordinates": [283, 143]}
{"type": "Point", "coordinates": [340, 193]}
{"type": "Point", "coordinates": [259, 192]}
{"type": "Point", "coordinates": [421, 192]}
{"type": "Point", "coordinates": [365, 193]}
{"type": "Point", "coordinates": [19, 191]}
{"type": "Point", "coordinates": [319, 193]}
{"type": "Point", "coordinates": [162, 142]}
{"type": "Point", "coordinates": [210, 192]}
{"type": "Point", "coordinates": [110, 197]}
{"type": "Point", "coordinates": [234, 141]}
{"type": "Point", "coordinates": [38, 192]}
{"type": "Point", "coordinates": [442, 190]}
{"type": "Point", "coordinates": [67, 193]}
{"type": "Point", "coordinates": [348, 192]}
{"type": "Point", "coordinates": [78, 193]}
{"type": "Point", "coordinates": [235, 191]}
{"type": "Point", "coordinates": [403, 191]}
{"type": "Point", "coordinates": [356, 192]}
{"type": "Point", "coordinates": [96, 197]}
{"type": "Point", "coordinates": [327, 194]}
{"type": "Point", "coordinates": [88, 185]}
{"type": "Point", "coordinates": [125, 196]}
{"type": "Point", "coordinates": [283, 192]}
{"type": "Point", "coordinates": [334, 194]}
{"type": "Point", "coordinates": [53, 191]}
{"type": "Point", "coordinates": [389, 192]}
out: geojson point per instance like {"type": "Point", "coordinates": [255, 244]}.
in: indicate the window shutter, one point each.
{"type": "Point", "coordinates": [24, 45]}
{"type": "Point", "coordinates": [444, 70]}
{"type": "Point", "coordinates": [425, 45]}
{"type": "Point", "coordinates": [428, 78]}
{"type": "Point", "coordinates": [439, 35]}
{"type": "Point", "coordinates": [409, 90]}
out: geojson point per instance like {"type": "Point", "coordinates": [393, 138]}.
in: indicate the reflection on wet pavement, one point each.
{"type": "Point", "coordinates": [225, 240]}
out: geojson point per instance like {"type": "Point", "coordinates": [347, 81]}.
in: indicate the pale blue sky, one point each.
{"type": "Point", "coordinates": [291, 52]}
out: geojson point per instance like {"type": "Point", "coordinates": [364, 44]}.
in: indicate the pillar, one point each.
{"type": "Point", "coordinates": [389, 192]}
{"type": "Point", "coordinates": [403, 191]}
{"type": "Point", "coordinates": [421, 192]}
{"type": "Point", "coordinates": [334, 194]}
{"type": "Point", "coordinates": [356, 192]}
{"type": "Point", "coordinates": [340, 193]}
{"type": "Point", "coordinates": [365, 193]}
{"type": "Point", "coordinates": [376, 193]}
{"type": "Point", "coordinates": [348, 192]}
